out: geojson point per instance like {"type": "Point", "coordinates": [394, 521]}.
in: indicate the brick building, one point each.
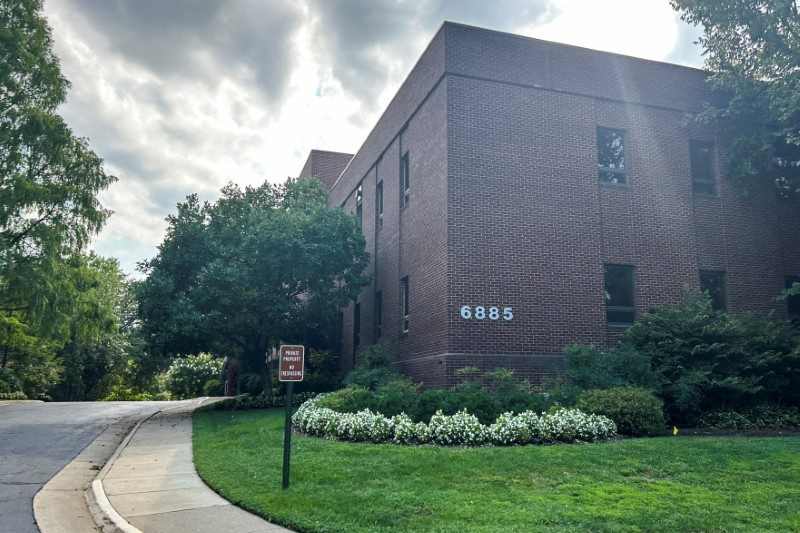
{"type": "Point", "coordinates": [519, 195]}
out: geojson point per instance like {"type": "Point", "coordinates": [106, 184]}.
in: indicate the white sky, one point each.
{"type": "Point", "coordinates": [183, 96]}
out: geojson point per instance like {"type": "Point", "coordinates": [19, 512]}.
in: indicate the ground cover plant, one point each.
{"type": "Point", "coordinates": [659, 484]}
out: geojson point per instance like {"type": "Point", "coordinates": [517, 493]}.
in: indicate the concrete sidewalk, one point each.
{"type": "Point", "coordinates": [150, 484]}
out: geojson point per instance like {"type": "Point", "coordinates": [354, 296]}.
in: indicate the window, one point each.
{"type": "Point", "coordinates": [378, 313]}
{"type": "Point", "coordinates": [620, 306]}
{"type": "Point", "coordinates": [356, 326]}
{"type": "Point", "coordinates": [405, 179]}
{"type": "Point", "coordinates": [611, 156]}
{"type": "Point", "coordinates": [404, 300]}
{"type": "Point", "coordinates": [714, 282]}
{"type": "Point", "coordinates": [379, 205]}
{"type": "Point", "coordinates": [359, 204]}
{"type": "Point", "coordinates": [701, 159]}
{"type": "Point", "coordinates": [793, 302]}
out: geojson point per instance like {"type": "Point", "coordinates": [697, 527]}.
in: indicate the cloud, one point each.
{"type": "Point", "coordinates": [247, 41]}
{"type": "Point", "coordinates": [363, 46]}
{"type": "Point", "coordinates": [686, 50]}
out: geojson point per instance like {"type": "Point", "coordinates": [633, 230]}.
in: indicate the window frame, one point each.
{"type": "Point", "coordinates": [378, 314]}
{"type": "Point", "coordinates": [405, 180]}
{"type": "Point", "coordinates": [405, 305]}
{"type": "Point", "coordinates": [356, 326]}
{"type": "Point", "coordinates": [703, 187]}
{"type": "Point", "coordinates": [721, 303]}
{"type": "Point", "coordinates": [379, 205]}
{"type": "Point", "coordinates": [631, 270]}
{"type": "Point", "coordinates": [609, 170]}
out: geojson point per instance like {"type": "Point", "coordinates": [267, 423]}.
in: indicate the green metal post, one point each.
{"type": "Point", "coordinates": [287, 434]}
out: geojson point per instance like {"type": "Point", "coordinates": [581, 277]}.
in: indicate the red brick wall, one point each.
{"type": "Point", "coordinates": [506, 208]}
{"type": "Point", "coordinates": [327, 166]}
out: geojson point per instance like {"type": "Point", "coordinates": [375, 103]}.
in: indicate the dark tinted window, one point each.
{"type": "Point", "coordinates": [619, 294]}
{"type": "Point", "coordinates": [793, 302]}
{"type": "Point", "coordinates": [379, 205]}
{"type": "Point", "coordinates": [611, 156]}
{"type": "Point", "coordinates": [714, 282]}
{"type": "Point", "coordinates": [404, 295]}
{"type": "Point", "coordinates": [405, 179]}
{"type": "Point", "coordinates": [701, 154]}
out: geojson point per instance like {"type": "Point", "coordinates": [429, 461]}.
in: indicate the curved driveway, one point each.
{"type": "Point", "coordinates": [38, 439]}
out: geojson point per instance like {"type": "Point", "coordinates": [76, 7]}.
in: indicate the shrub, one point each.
{"type": "Point", "coordinates": [432, 400]}
{"type": "Point", "coordinates": [760, 417]}
{"type": "Point", "coordinates": [187, 376]}
{"type": "Point", "coordinates": [9, 382]}
{"type": "Point", "coordinates": [635, 411]}
{"type": "Point", "coordinates": [19, 395]}
{"type": "Point", "coordinates": [374, 370]}
{"type": "Point", "coordinates": [462, 428]}
{"type": "Point", "coordinates": [348, 400]}
{"type": "Point", "coordinates": [213, 387]}
{"type": "Point", "coordinates": [397, 396]}
{"type": "Point", "coordinates": [707, 360]}
{"type": "Point", "coordinates": [245, 402]}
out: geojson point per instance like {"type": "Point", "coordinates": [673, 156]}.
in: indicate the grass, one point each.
{"type": "Point", "coordinates": [676, 484]}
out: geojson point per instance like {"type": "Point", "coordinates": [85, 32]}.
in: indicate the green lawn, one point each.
{"type": "Point", "coordinates": [676, 484]}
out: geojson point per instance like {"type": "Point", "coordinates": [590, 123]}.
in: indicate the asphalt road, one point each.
{"type": "Point", "coordinates": [38, 439]}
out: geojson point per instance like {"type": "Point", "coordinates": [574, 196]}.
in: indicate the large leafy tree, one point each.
{"type": "Point", "coordinates": [49, 179]}
{"type": "Point", "coordinates": [752, 48]}
{"type": "Point", "coordinates": [248, 271]}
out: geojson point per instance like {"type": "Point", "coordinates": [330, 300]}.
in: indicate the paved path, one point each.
{"type": "Point", "coordinates": [38, 439]}
{"type": "Point", "coordinates": [152, 483]}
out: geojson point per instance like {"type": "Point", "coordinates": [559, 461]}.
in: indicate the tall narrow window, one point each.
{"type": "Point", "coordinates": [701, 159]}
{"type": "Point", "coordinates": [378, 313]}
{"type": "Point", "coordinates": [611, 156]}
{"type": "Point", "coordinates": [379, 205]}
{"type": "Point", "coordinates": [619, 293]}
{"type": "Point", "coordinates": [404, 300]}
{"type": "Point", "coordinates": [359, 204]}
{"type": "Point", "coordinates": [356, 327]}
{"type": "Point", "coordinates": [405, 179]}
{"type": "Point", "coordinates": [713, 281]}
{"type": "Point", "coordinates": [793, 302]}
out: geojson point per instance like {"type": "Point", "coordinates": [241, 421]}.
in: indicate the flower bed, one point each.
{"type": "Point", "coordinates": [462, 428]}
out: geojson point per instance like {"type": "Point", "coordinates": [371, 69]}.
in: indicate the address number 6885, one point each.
{"type": "Point", "coordinates": [480, 312]}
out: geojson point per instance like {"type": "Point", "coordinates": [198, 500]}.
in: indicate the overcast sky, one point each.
{"type": "Point", "coordinates": [183, 96]}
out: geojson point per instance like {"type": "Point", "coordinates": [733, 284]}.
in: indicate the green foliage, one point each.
{"type": "Point", "coordinates": [350, 399]}
{"type": "Point", "coordinates": [245, 402]}
{"type": "Point", "coordinates": [122, 393]}
{"type": "Point", "coordinates": [49, 206]}
{"type": "Point", "coordinates": [635, 411]}
{"type": "Point", "coordinates": [397, 396]}
{"type": "Point", "coordinates": [706, 360]}
{"type": "Point", "coordinates": [433, 400]}
{"type": "Point", "coordinates": [213, 387]}
{"type": "Point", "coordinates": [660, 485]}
{"type": "Point", "coordinates": [18, 395]}
{"type": "Point", "coordinates": [752, 48]}
{"type": "Point", "coordinates": [9, 382]}
{"type": "Point", "coordinates": [258, 266]}
{"type": "Point", "coordinates": [760, 417]}
{"type": "Point", "coordinates": [374, 370]}
{"type": "Point", "coordinates": [320, 372]}
{"type": "Point", "coordinates": [187, 376]}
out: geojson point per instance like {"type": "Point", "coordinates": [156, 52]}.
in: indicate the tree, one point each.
{"type": "Point", "coordinates": [752, 48]}
{"type": "Point", "coordinates": [48, 194]}
{"type": "Point", "coordinates": [242, 274]}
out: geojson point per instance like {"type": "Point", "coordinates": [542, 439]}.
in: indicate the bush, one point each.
{"type": "Point", "coordinates": [433, 400]}
{"type": "Point", "coordinates": [245, 402]}
{"type": "Point", "coordinates": [187, 376]}
{"type": "Point", "coordinates": [19, 395]}
{"type": "Point", "coordinates": [635, 411]}
{"type": "Point", "coordinates": [213, 387]}
{"type": "Point", "coordinates": [707, 360]}
{"type": "Point", "coordinates": [397, 396]}
{"type": "Point", "coordinates": [349, 400]}
{"type": "Point", "coordinates": [374, 370]}
{"type": "Point", "coordinates": [761, 417]}
{"type": "Point", "coordinates": [462, 428]}
{"type": "Point", "coordinates": [9, 382]}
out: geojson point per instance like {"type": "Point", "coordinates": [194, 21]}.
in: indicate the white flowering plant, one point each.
{"type": "Point", "coordinates": [462, 428]}
{"type": "Point", "coordinates": [187, 375]}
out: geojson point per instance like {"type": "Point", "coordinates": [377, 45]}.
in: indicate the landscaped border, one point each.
{"type": "Point", "coordinates": [462, 428]}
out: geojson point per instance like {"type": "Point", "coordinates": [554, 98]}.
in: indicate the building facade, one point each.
{"type": "Point", "coordinates": [519, 195]}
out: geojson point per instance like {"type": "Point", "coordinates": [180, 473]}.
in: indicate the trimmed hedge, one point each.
{"type": "Point", "coordinates": [635, 411]}
{"type": "Point", "coordinates": [13, 396]}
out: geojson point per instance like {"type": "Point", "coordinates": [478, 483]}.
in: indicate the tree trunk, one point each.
{"type": "Point", "coordinates": [265, 370]}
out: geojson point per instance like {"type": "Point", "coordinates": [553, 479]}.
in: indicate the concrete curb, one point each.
{"type": "Point", "coordinates": [105, 516]}
{"type": "Point", "coordinates": [57, 505]}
